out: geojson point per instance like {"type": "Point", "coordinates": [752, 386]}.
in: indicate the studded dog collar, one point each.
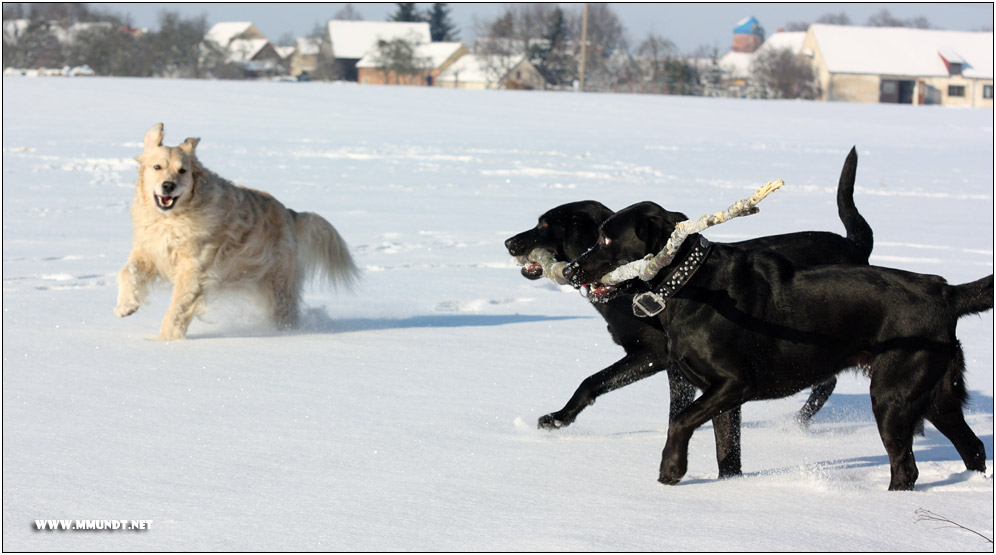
{"type": "Point", "coordinates": [652, 303]}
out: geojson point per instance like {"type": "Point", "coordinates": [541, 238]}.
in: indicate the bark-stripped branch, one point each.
{"type": "Point", "coordinates": [647, 268]}
{"type": "Point", "coordinates": [552, 268]}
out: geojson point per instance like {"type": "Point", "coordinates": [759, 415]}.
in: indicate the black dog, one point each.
{"type": "Point", "coordinates": [570, 229]}
{"type": "Point", "coordinates": [748, 324]}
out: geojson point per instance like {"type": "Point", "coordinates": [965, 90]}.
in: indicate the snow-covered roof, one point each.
{"type": "Point", "coordinates": [738, 63]}
{"type": "Point", "coordinates": [308, 47]}
{"type": "Point", "coordinates": [902, 51]}
{"type": "Point", "coordinates": [473, 68]}
{"type": "Point", "coordinates": [749, 26]}
{"type": "Point", "coordinates": [782, 39]}
{"type": "Point", "coordinates": [435, 54]}
{"type": "Point", "coordinates": [353, 39]}
{"type": "Point", "coordinates": [243, 50]}
{"type": "Point", "coordinates": [223, 33]}
{"type": "Point", "coordinates": [439, 52]}
{"type": "Point", "coordinates": [285, 51]}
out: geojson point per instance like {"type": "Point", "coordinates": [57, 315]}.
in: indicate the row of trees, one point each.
{"type": "Point", "coordinates": [110, 45]}
{"type": "Point", "coordinates": [550, 37]}
{"type": "Point", "coordinates": [547, 34]}
{"type": "Point", "coordinates": [882, 18]}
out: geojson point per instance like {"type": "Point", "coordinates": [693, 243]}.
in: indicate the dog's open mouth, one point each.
{"type": "Point", "coordinates": [598, 292]}
{"type": "Point", "coordinates": [165, 202]}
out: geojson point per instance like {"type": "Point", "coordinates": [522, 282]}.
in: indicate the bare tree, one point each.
{"type": "Point", "coordinates": [829, 19]}
{"type": "Point", "coordinates": [36, 46]}
{"type": "Point", "coordinates": [111, 51]}
{"type": "Point", "coordinates": [399, 57]}
{"type": "Point", "coordinates": [347, 13]}
{"type": "Point", "coordinates": [885, 19]}
{"type": "Point", "coordinates": [176, 48]}
{"type": "Point", "coordinates": [516, 33]}
{"type": "Point", "coordinates": [781, 73]}
{"type": "Point", "coordinates": [606, 51]}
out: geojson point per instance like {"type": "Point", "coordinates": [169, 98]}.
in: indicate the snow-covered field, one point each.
{"type": "Point", "coordinates": [403, 415]}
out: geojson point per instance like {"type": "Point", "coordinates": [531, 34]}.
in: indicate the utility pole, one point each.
{"type": "Point", "coordinates": [584, 42]}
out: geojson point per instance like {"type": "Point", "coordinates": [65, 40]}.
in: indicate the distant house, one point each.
{"type": "Point", "coordinates": [246, 46]}
{"type": "Point", "coordinates": [304, 59]}
{"type": "Point", "coordinates": [476, 71]}
{"type": "Point", "coordinates": [224, 33]}
{"type": "Point", "coordinates": [436, 57]}
{"type": "Point", "coordinates": [347, 42]}
{"type": "Point", "coordinates": [902, 65]}
{"type": "Point", "coordinates": [748, 35]}
{"type": "Point", "coordinates": [736, 64]}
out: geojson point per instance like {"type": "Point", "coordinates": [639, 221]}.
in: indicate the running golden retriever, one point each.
{"type": "Point", "coordinates": [201, 232]}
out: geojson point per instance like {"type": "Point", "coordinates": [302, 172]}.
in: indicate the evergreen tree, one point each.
{"type": "Point", "coordinates": [406, 12]}
{"type": "Point", "coordinates": [551, 57]}
{"type": "Point", "coordinates": [441, 27]}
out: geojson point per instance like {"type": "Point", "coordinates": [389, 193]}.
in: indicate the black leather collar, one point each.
{"type": "Point", "coordinates": [653, 302]}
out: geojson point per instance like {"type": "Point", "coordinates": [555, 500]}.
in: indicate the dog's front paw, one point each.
{"type": "Point", "coordinates": [672, 470]}
{"type": "Point", "coordinates": [125, 309]}
{"type": "Point", "coordinates": [553, 421]}
{"type": "Point", "coordinates": [171, 334]}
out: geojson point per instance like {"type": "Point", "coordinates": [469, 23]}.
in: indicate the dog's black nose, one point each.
{"type": "Point", "coordinates": [168, 187]}
{"type": "Point", "coordinates": [509, 243]}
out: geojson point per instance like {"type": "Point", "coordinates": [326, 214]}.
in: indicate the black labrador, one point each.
{"type": "Point", "coordinates": [570, 229]}
{"type": "Point", "coordinates": [746, 324]}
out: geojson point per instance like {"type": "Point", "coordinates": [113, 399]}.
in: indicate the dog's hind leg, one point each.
{"type": "Point", "coordinates": [946, 413]}
{"type": "Point", "coordinates": [627, 370]}
{"type": "Point", "coordinates": [726, 427]}
{"type": "Point", "coordinates": [281, 289]}
{"type": "Point", "coordinates": [817, 398]}
{"type": "Point", "coordinates": [900, 388]}
{"type": "Point", "coordinates": [895, 426]}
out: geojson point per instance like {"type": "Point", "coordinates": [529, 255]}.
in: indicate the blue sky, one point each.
{"type": "Point", "coordinates": [689, 25]}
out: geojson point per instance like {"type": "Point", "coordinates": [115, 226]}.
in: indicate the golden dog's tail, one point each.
{"type": "Point", "coordinates": [322, 252]}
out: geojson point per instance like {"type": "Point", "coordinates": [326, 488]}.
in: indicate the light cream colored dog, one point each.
{"type": "Point", "coordinates": [200, 232]}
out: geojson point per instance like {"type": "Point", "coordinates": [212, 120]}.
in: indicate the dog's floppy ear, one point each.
{"type": "Point", "coordinates": [661, 226]}
{"type": "Point", "coordinates": [154, 137]}
{"type": "Point", "coordinates": [581, 232]}
{"type": "Point", "coordinates": [189, 145]}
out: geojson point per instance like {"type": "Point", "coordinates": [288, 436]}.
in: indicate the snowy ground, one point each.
{"type": "Point", "coordinates": [403, 416]}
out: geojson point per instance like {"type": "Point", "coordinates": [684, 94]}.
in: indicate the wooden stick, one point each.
{"type": "Point", "coordinates": [552, 268]}
{"type": "Point", "coordinates": [647, 268]}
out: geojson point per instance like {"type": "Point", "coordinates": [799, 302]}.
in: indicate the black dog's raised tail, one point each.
{"type": "Point", "coordinates": [973, 297]}
{"type": "Point", "coordinates": [858, 230]}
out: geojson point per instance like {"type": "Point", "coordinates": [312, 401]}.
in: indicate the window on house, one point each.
{"type": "Point", "coordinates": [956, 90]}
{"type": "Point", "coordinates": [987, 91]}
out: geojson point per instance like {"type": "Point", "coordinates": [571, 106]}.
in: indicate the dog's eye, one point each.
{"type": "Point", "coordinates": [542, 225]}
{"type": "Point", "coordinates": [182, 170]}
{"type": "Point", "coordinates": [605, 241]}
{"type": "Point", "coordinates": [157, 167]}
